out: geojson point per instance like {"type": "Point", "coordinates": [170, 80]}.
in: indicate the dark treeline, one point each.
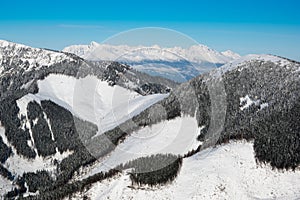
{"type": "Point", "coordinates": [192, 152]}
{"type": "Point", "coordinates": [5, 173]}
{"type": "Point", "coordinates": [277, 139]}
{"type": "Point", "coordinates": [68, 189]}
{"type": "Point", "coordinates": [40, 131]}
{"type": "Point", "coordinates": [16, 136]}
{"type": "Point", "coordinates": [275, 128]}
{"type": "Point", "coordinates": [66, 138]}
{"type": "Point", "coordinates": [37, 180]}
{"type": "Point", "coordinates": [5, 151]}
{"type": "Point", "coordinates": [153, 170]}
{"type": "Point", "coordinates": [20, 182]}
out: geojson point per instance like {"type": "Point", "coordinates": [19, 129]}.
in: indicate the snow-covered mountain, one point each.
{"type": "Point", "coordinates": [179, 64]}
{"type": "Point", "coordinates": [47, 96]}
{"type": "Point", "coordinates": [77, 129]}
{"type": "Point", "coordinates": [254, 99]}
{"type": "Point", "coordinates": [231, 54]}
{"type": "Point", "coordinates": [196, 53]}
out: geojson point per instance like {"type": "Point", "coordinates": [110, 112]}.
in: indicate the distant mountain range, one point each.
{"type": "Point", "coordinates": [178, 64]}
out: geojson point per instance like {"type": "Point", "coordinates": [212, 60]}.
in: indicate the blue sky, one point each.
{"type": "Point", "coordinates": [242, 26]}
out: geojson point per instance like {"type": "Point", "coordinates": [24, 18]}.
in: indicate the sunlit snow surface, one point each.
{"type": "Point", "coordinates": [92, 99]}
{"type": "Point", "coordinates": [5, 186]}
{"type": "Point", "coordinates": [177, 136]}
{"type": "Point", "coordinates": [225, 172]}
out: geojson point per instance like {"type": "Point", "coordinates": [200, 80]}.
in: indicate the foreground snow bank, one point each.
{"type": "Point", "coordinates": [225, 172]}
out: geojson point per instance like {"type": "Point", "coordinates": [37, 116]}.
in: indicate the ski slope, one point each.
{"type": "Point", "coordinates": [91, 99]}
{"type": "Point", "coordinates": [177, 136]}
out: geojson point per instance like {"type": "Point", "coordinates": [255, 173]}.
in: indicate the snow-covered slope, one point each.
{"type": "Point", "coordinates": [225, 172]}
{"type": "Point", "coordinates": [28, 58]}
{"type": "Point", "coordinates": [175, 63]}
{"type": "Point", "coordinates": [245, 61]}
{"type": "Point", "coordinates": [177, 137]}
{"type": "Point", "coordinates": [87, 98]}
{"type": "Point", "coordinates": [21, 66]}
{"type": "Point", "coordinates": [91, 99]}
{"type": "Point", "coordinates": [45, 94]}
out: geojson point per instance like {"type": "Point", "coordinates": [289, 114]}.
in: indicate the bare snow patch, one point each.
{"type": "Point", "coordinates": [27, 85]}
{"type": "Point", "coordinates": [18, 164]}
{"type": "Point", "coordinates": [3, 136]}
{"type": "Point", "coordinates": [246, 102]}
{"type": "Point", "coordinates": [5, 186]}
{"type": "Point", "coordinates": [264, 105]}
